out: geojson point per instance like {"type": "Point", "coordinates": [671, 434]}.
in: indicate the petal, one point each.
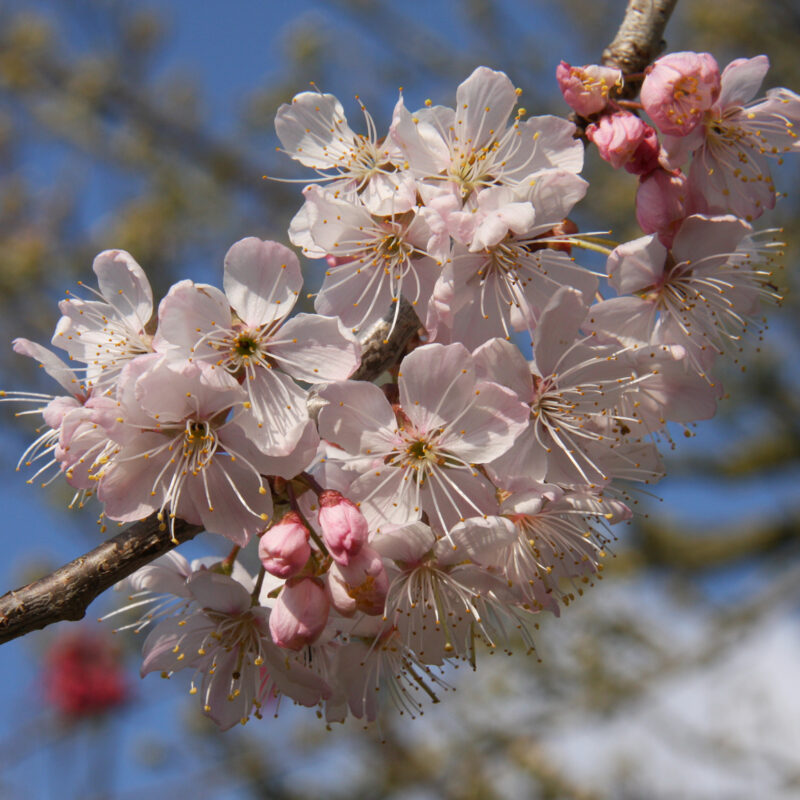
{"type": "Point", "coordinates": [430, 404]}
{"type": "Point", "coordinates": [358, 417]}
{"type": "Point", "coordinates": [637, 265]}
{"type": "Point", "coordinates": [51, 364]}
{"type": "Point", "coordinates": [190, 310]}
{"type": "Point", "coordinates": [741, 80]}
{"type": "Point", "coordinates": [484, 102]}
{"type": "Point", "coordinates": [262, 280]}
{"type": "Point", "coordinates": [316, 349]}
{"type": "Point", "coordinates": [557, 329]}
{"type": "Point", "coordinates": [219, 592]}
{"type": "Point", "coordinates": [125, 287]}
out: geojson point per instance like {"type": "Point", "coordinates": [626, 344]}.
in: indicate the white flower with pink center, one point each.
{"type": "Point", "coordinates": [256, 341]}
{"type": "Point", "coordinates": [224, 636]}
{"type": "Point", "coordinates": [701, 294]}
{"type": "Point", "coordinates": [424, 451]}
{"type": "Point", "coordinates": [577, 433]}
{"type": "Point", "coordinates": [731, 146]}
{"type": "Point", "coordinates": [106, 333]}
{"type": "Point", "coordinates": [376, 260]}
{"type": "Point", "coordinates": [314, 131]}
{"type": "Point", "coordinates": [474, 145]}
{"type": "Point", "coordinates": [180, 452]}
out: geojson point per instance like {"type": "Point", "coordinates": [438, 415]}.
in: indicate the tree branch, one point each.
{"type": "Point", "coordinates": [639, 39]}
{"type": "Point", "coordinates": [66, 593]}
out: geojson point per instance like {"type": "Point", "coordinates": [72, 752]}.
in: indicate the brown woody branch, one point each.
{"type": "Point", "coordinates": [639, 39]}
{"type": "Point", "coordinates": [66, 593]}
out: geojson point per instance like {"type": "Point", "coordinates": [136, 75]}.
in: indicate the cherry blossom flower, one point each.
{"type": "Point", "coordinates": [424, 453]}
{"type": "Point", "coordinates": [586, 89]}
{"type": "Point", "coordinates": [700, 294]}
{"type": "Point", "coordinates": [179, 452]}
{"type": "Point", "coordinates": [377, 260]}
{"type": "Point", "coordinates": [678, 88]}
{"type": "Point", "coordinates": [577, 433]}
{"type": "Point", "coordinates": [259, 343]}
{"type": "Point", "coordinates": [225, 638]}
{"type": "Point", "coordinates": [474, 146]}
{"type": "Point", "coordinates": [731, 147]}
{"type": "Point", "coordinates": [314, 131]}
{"type": "Point", "coordinates": [106, 333]}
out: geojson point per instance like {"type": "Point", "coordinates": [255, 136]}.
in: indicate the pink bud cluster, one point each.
{"type": "Point", "coordinates": [475, 487]}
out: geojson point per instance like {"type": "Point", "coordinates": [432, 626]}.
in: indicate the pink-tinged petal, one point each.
{"type": "Point", "coordinates": [408, 545]}
{"type": "Point", "coordinates": [278, 411]}
{"type": "Point", "coordinates": [429, 403]}
{"type": "Point", "coordinates": [358, 417]}
{"type": "Point", "coordinates": [189, 311]}
{"type": "Point", "coordinates": [158, 651]}
{"type": "Point", "coordinates": [179, 390]}
{"type": "Point", "coordinates": [294, 680]}
{"type": "Point", "coordinates": [489, 427]}
{"type": "Point", "coordinates": [389, 193]}
{"type": "Point", "coordinates": [630, 320]}
{"type": "Point", "coordinates": [420, 138]}
{"type": "Point", "coordinates": [348, 290]}
{"type": "Point", "coordinates": [554, 194]}
{"type": "Point", "coordinates": [637, 265]}
{"type": "Point", "coordinates": [262, 280]}
{"type": "Point", "coordinates": [484, 102]}
{"type": "Point", "coordinates": [550, 144]}
{"type": "Point", "coordinates": [557, 329]}
{"type": "Point", "coordinates": [449, 496]}
{"type": "Point", "coordinates": [128, 486]}
{"type": "Point", "coordinates": [166, 575]}
{"type": "Point", "coordinates": [225, 709]}
{"type": "Point", "coordinates": [502, 362]}
{"type": "Point", "coordinates": [386, 496]}
{"type": "Point", "coordinates": [313, 130]}
{"type": "Point", "coordinates": [337, 227]}
{"type": "Point", "coordinates": [219, 592]}
{"type": "Point", "coordinates": [741, 80]}
{"type": "Point", "coordinates": [226, 496]}
{"type": "Point", "coordinates": [708, 242]}
{"type": "Point", "coordinates": [478, 539]}
{"type": "Point", "coordinates": [523, 464]}
{"type": "Point", "coordinates": [316, 349]}
{"type": "Point", "coordinates": [125, 287]}
{"type": "Point", "coordinates": [51, 364]}
{"type": "Point", "coordinates": [286, 466]}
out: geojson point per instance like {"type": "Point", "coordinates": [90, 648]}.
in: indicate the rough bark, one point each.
{"type": "Point", "coordinates": [639, 39]}
{"type": "Point", "coordinates": [66, 593]}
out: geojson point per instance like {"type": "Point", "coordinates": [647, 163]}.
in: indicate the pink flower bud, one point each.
{"type": "Point", "coordinates": [645, 158]}
{"type": "Point", "coordinates": [661, 204]}
{"type": "Point", "coordinates": [360, 585]}
{"type": "Point", "coordinates": [678, 89]}
{"type": "Point", "coordinates": [617, 136]}
{"type": "Point", "coordinates": [284, 548]}
{"type": "Point", "coordinates": [300, 613]}
{"type": "Point", "coordinates": [344, 527]}
{"type": "Point", "coordinates": [586, 89]}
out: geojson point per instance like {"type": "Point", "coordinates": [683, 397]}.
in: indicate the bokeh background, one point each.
{"type": "Point", "coordinates": [148, 127]}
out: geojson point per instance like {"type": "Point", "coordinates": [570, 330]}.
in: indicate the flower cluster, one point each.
{"type": "Point", "coordinates": [471, 487]}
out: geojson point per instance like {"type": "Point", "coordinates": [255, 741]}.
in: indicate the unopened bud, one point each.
{"type": "Point", "coordinates": [300, 613]}
{"type": "Point", "coordinates": [284, 548]}
{"type": "Point", "coordinates": [344, 527]}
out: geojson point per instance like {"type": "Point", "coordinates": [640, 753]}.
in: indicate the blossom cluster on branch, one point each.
{"type": "Point", "coordinates": [473, 486]}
